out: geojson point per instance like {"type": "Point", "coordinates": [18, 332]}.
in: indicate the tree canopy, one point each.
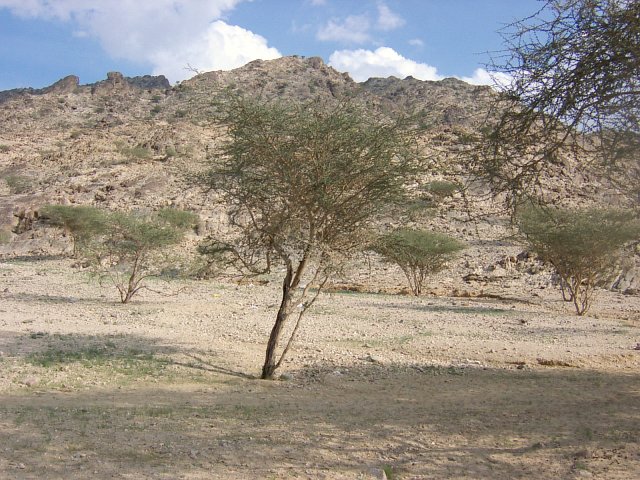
{"type": "Point", "coordinates": [575, 90]}
{"type": "Point", "coordinates": [303, 183]}
{"type": "Point", "coordinates": [582, 245]}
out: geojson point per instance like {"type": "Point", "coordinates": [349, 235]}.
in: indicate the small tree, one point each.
{"type": "Point", "coordinates": [132, 249]}
{"type": "Point", "coordinates": [582, 245]}
{"type": "Point", "coordinates": [126, 248]}
{"type": "Point", "coordinates": [80, 222]}
{"type": "Point", "coordinates": [303, 183]}
{"type": "Point", "coordinates": [418, 253]}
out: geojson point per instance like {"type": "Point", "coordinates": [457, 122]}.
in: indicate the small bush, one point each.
{"type": "Point", "coordinates": [5, 148]}
{"type": "Point", "coordinates": [582, 245]}
{"type": "Point", "coordinates": [418, 253]}
{"type": "Point", "coordinates": [135, 153]}
{"type": "Point", "coordinates": [442, 188]}
{"type": "Point", "coordinates": [18, 183]}
{"type": "Point", "coordinates": [80, 222]}
{"type": "Point", "coordinates": [5, 236]}
{"type": "Point", "coordinates": [180, 219]}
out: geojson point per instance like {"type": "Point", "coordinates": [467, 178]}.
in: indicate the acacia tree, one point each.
{"type": "Point", "coordinates": [302, 184]}
{"type": "Point", "coordinates": [131, 249]}
{"type": "Point", "coordinates": [127, 248]}
{"type": "Point", "coordinates": [418, 253]}
{"type": "Point", "coordinates": [575, 90]}
{"type": "Point", "coordinates": [79, 222]}
{"type": "Point", "coordinates": [582, 245]}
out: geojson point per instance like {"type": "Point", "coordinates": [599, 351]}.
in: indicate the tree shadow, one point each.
{"type": "Point", "coordinates": [427, 423]}
{"type": "Point", "coordinates": [51, 299]}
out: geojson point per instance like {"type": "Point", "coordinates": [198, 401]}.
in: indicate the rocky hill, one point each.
{"type": "Point", "coordinates": [133, 143]}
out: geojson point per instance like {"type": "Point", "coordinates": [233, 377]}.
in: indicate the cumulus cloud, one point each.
{"type": "Point", "coordinates": [357, 28]}
{"type": "Point", "coordinates": [483, 77]}
{"type": "Point", "coordinates": [388, 20]}
{"type": "Point", "coordinates": [383, 62]}
{"type": "Point", "coordinates": [354, 29]}
{"type": "Point", "coordinates": [167, 34]}
{"type": "Point", "coordinates": [221, 47]}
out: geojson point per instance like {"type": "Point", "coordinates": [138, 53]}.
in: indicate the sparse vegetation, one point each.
{"type": "Point", "coordinates": [18, 184]}
{"type": "Point", "coordinates": [5, 236]}
{"type": "Point", "coordinates": [442, 188]}
{"type": "Point", "coordinates": [137, 152]}
{"type": "Point", "coordinates": [418, 253]}
{"type": "Point", "coordinates": [582, 245]}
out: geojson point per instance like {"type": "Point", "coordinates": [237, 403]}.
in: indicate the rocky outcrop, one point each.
{"type": "Point", "coordinates": [67, 84]}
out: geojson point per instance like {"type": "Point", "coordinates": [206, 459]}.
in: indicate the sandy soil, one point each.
{"type": "Point", "coordinates": [376, 385]}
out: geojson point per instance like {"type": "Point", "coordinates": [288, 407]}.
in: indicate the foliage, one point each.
{"type": "Point", "coordinates": [180, 219]}
{"type": "Point", "coordinates": [575, 90]}
{"type": "Point", "coordinates": [80, 222]}
{"type": "Point", "coordinates": [126, 248]}
{"type": "Point", "coordinates": [303, 183]}
{"type": "Point", "coordinates": [5, 236]}
{"type": "Point", "coordinates": [582, 245]}
{"type": "Point", "coordinates": [418, 253]}
{"type": "Point", "coordinates": [137, 152]}
{"type": "Point", "coordinates": [442, 188]}
{"type": "Point", "coordinates": [18, 183]}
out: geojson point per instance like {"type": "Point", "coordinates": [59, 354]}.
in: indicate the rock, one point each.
{"type": "Point", "coordinates": [378, 473]}
{"type": "Point", "coordinates": [30, 381]}
{"type": "Point", "coordinates": [374, 359]}
{"type": "Point", "coordinates": [67, 84]}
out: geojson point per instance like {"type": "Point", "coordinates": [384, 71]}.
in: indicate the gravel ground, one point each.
{"type": "Point", "coordinates": [513, 386]}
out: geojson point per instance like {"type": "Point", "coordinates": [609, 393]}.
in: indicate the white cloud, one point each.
{"type": "Point", "coordinates": [221, 47]}
{"type": "Point", "coordinates": [416, 42]}
{"type": "Point", "coordinates": [483, 77]}
{"type": "Point", "coordinates": [318, 3]}
{"type": "Point", "coordinates": [354, 29]}
{"type": "Point", "coordinates": [383, 62]}
{"type": "Point", "coordinates": [167, 34]}
{"type": "Point", "coordinates": [388, 20]}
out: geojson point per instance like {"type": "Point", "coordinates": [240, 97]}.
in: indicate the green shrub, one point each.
{"type": "Point", "coordinates": [582, 245]}
{"type": "Point", "coordinates": [180, 219]}
{"type": "Point", "coordinates": [138, 152]}
{"type": "Point", "coordinates": [442, 188]}
{"type": "Point", "coordinates": [418, 253]}
{"type": "Point", "coordinates": [5, 236]}
{"type": "Point", "coordinates": [18, 183]}
{"type": "Point", "coordinates": [4, 148]}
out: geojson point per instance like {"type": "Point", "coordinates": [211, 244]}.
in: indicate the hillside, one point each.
{"type": "Point", "coordinates": [132, 143]}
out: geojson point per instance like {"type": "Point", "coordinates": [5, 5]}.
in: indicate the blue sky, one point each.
{"type": "Point", "coordinates": [42, 41]}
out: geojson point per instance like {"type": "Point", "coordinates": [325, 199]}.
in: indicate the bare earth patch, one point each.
{"type": "Point", "coordinates": [163, 388]}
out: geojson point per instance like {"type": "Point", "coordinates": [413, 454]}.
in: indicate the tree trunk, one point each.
{"type": "Point", "coordinates": [270, 363]}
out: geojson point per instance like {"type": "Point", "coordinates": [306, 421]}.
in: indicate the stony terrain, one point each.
{"type": "Point", "coordinates": [489, 375]}
{"type": "Point", "coordinates": [432, 387]}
